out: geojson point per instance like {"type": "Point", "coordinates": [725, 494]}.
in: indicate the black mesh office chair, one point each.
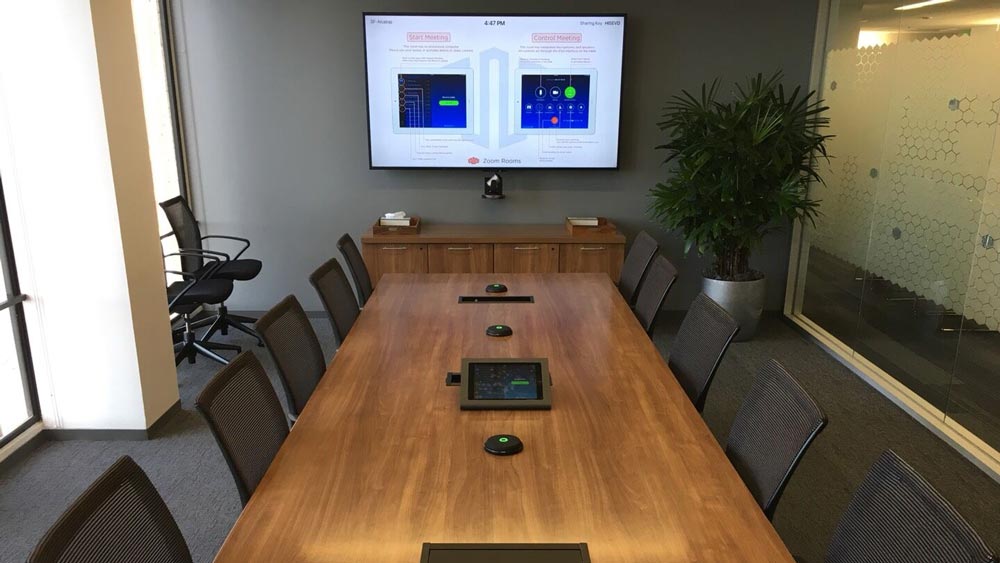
{"type": "Point", "coordinates": [338, 299]}
{"type": "Point", "coordinates": [356, 264]}
{"type": "Point", "coordinates": [186, 296]}
{"type": "Point", "coordinates": [896, 516]}
{"type": "Point", "coordinates": [120, 518]}
{"type": "Point", "coordinates": [637, 262]}
{"type": "Point", "coordinates": [701, 342]}
{"type": "Point", "coordinates": [246, 419]}
{"type": "Point", "coordinates": [653, 292]}
{"type": "Point", "coordinates": [188, 233]}
{"type": "Point", "coordinates": [773, 428]}
{"type": "Point", "coordinates": [295, 349]}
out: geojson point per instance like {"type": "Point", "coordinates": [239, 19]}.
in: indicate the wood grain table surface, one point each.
{"type": "Point", "coordinates": [382, 459]}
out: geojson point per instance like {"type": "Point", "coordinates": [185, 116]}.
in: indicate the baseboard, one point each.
{"type": "Point", "coordinates": [964, 442]}
{"type": "Point", "coordinates": [679, 313]}
{"type": "Point", "coordinates": [95, 434]}
{"type": "Point", "coordinates": [154, 429]}
{"type": "Point", "coordinates": [112, 434]}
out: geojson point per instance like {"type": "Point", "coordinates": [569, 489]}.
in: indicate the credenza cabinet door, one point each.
{"type": "Point", "coordinates": [399, 259]}
{"type": "Point", "coordinates": [592, 258]}
{"type": "Point", "coordinates": [460, 258]}
{"type": "Point", "coordinates": [525, 258]}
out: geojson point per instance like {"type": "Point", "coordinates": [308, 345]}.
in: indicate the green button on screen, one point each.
{"type": "Point", "coordinates": [569, 92]}
{"type": "Point", "coordinates": [447, 102]}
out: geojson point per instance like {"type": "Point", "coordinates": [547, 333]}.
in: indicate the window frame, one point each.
{"type": "Point", "coordinates": [14, 300]}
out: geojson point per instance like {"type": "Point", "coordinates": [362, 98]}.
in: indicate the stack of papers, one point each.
{"type": "Point", "coordinates": [394, 219]}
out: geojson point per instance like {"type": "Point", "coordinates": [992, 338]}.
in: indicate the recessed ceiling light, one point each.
{"type": "Point", "coordinates": [922, 4]}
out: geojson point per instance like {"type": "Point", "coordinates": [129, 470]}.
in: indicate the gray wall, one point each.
{"type": "Point", "coordinates": [274, 103]}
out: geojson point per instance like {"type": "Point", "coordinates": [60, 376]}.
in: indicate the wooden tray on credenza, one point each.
{"type": "Point", "coordinates": [412, 229]}
{"type": "Point", "coordinates": [603, 226]}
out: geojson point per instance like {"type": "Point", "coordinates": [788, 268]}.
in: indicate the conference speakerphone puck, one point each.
{"type": "Point", "coordinates": [496, 288]}
{"type": "Point", "coordinates": [499, 330]}
{"type": "Point", "coordinates": [503, 444]}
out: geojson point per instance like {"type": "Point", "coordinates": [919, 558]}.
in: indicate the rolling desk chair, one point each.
{"type": "Point", "coordinates": [704, 337]}
{"type": "Point", "coordinates": [773, 428]}
{"type": "Point", "coordinates": [295, 349]}
{"type": "Point", "coordinates": [185, 297]}
{"type": "Point", "coordinates": [896, 516]}
{"type": "Point", "coordinates": [335, 292]}
{"type": "Point", "coordinates": [653, 292]}
{"type": "Point", "coordinates": [356, 264]}
{"type": "Point", "coordinates": [120, 517]}
{"type": "Point", "coordinates": [189, 237]}
{"type": "Point", "coordinates": [636, 265]}
{"type": "Point", "coordinates": [244, 415]}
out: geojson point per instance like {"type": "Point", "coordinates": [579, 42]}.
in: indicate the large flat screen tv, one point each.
{"type": "Point", "coordinates": [493, 90]}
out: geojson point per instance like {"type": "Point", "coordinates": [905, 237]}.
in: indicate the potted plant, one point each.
{"type": "Point", "coordinates": [741, 169]}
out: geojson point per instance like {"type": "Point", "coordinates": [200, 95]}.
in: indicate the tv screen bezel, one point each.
{"type": "Point", "coordinates": [621, 96]}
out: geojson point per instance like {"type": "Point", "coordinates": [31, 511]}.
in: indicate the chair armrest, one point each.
{"type": "Point", "coordinates": [246, 243]}
{"type": "Point", "coordinates": [220, 259]}
{"type": "Point", "coordinates": [204, 252]}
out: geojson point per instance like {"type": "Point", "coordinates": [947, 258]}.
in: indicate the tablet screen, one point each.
{"type": "Point", "coordinates": [505, 381]}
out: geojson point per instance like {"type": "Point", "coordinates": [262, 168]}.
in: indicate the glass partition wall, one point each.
{"type": "Point", "coordinates": [901, 274]}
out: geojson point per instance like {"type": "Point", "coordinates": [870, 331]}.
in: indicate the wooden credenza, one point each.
{"type": "Point", "coordinates": [485, 249]}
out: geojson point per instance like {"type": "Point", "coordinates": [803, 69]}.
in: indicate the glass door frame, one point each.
{"type": "Point", "coordinates": [174, 94]}
{"type": "Point", "coordinates": [14, 300]}
{"type": "Point", "coordinates": [965, 442]}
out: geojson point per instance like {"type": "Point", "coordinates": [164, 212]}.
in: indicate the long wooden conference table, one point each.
{"type": "Point", "coordinates": [382, 460]}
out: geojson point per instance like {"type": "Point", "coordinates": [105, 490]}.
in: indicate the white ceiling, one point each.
{"type": "Point", "coordinates": [880, 15]}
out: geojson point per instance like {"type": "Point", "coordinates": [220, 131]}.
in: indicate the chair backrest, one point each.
{"type": "Point", "coordinates": [296, 350]}
{"type": "Point", "coordinates": [637, 262]}
{"type": "Point", "coordinates": [246, 419]}
{"type": "Point", "coordinates": [773, 428]}
{"type": "Point", "coordinates": [896, 516]}
{"type": "Point", "coordinates": [120, 518]}
{"type": "Point", "coordinates": [653, 291]}
{"type": "Point", "coordinates": [337, 297]}
{"type": "Point", "coordinates": [186, 231]}
{"type": "Point", "coordinates": [701, 342]}
{"type": "Point", "coordinates": [362, 281]}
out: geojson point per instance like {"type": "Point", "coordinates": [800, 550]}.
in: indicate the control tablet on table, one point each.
{"type": "Point", "coordinates": [505, 383]}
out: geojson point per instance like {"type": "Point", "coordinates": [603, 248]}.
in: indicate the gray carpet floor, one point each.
{"type": "Point", "coordinates": [184, 462]}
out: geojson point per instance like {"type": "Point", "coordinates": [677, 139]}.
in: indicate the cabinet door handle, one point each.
{"type": "Point", "coordinates": [591, 248]}
{"type": "Point", "coordinates": [458, 248]}
{"type": "Point", "coordinates": [525, 248]}
{"type": "Point", "coordinates": [393, 248]}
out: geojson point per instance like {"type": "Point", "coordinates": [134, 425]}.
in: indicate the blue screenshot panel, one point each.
{"type": "Point", "coordinates": [555, 101]}
{"type": "Point", "coordinates": [506, 381]}
{"type": "Point", "coordinates": [432, 101]}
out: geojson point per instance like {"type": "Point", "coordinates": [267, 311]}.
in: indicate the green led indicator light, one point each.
{"type": "Point", "coordinates": [499, 326]}
{"type": "Point", "coordinates": [503, 440]}
{"type": "Point", "coordinates": [569, 92]}
{"type": "Point", "coordinates": [447, 102]}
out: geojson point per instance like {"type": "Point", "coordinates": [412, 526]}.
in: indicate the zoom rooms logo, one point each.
{"type": "Point", "coordinates": [473, 160]}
